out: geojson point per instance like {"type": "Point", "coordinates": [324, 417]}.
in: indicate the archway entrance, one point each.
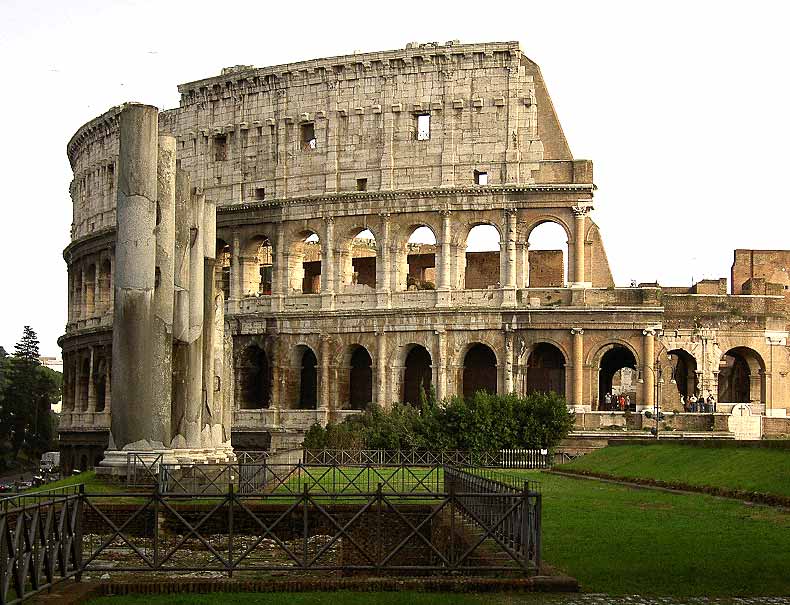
{"type": "Point", "coordinates": [482, 258]}
{"type": "Point", "coordinates": [479, 371]}
{"type": "Point", "coordinates": [360, 379]}
{"type": "Point", "coordinates": [741, 377]}
{"type": "Point", "coordinates": [255, 379]}
{"type": "Point", "coordinates": [546, 370]}
{"type": "Point", "coordinates": [308, 380]}
{"type": "Point", "coordinates": [548, 256]}
{"type": "Point", "coordinates": [421, 260]}
{"type": "Point", "coordinates": [416, 374]}
{"type": "Point", "coordinates": [684, 372]}
{"type": "Point", "coordinates": [617, 376]}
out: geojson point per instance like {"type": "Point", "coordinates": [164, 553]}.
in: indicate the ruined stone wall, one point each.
{"type": "Point", "coordinates": [771, 265]}
{"type": "Point", "coordinates": [546, 268]}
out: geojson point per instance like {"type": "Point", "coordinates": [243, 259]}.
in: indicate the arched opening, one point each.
{"type": "Point", "coordinates": [84, 462]}
{"type": "Point", "coordinates": [548, 256]}
{"type": "Point", "coordinates": [546, 370]}
{"type": "Point", "coordinates": [360, 379]}
{"type": "Point", "coordinates": [741, 377]}
{"type": "Point", "coordinates": [256, 267]}
{"type": "Point", "coordinates": [105, 286]}
{"type": "Point", "coordinates": [77, 301]}
{"type": "Point", "coordinates": [617, 376]}
{"type": "Point", "coordinates": [255, 379]}
{"type": "Point", "coordinates": [90, 290]}
{"type": "Point", "coordinates": [479, 370]}
{"type": "Point", "coordinates": [684, 372]}
{"type": "Point", "coordinates": [416, 374]}
{"type": "Point", "coordinates": [222, 269]}
{"type": "Point", "coordinates": [304, 264]}
{"type": "Point", "coordinates": [482, 258]}
{"type": "Point", "coordinates": [308, 380]}
{"type": "Point", "coordinates": [362, 271]}
{"type": "Point", "coordinates": [421, 259]}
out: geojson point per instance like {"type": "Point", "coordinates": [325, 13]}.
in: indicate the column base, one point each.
{"type": "Point", "coordinates": [444, 297]}
{"type": "Point", "coordinates": [118, 463]}
{"type": "Point", "coordinates": [383, 300]}
{"type": "Point", "coordinates": [328, 301]}
{"type": "Point", "coordinates": [579, 285]}
{"type": "Point", "coordinates": [508, 297]}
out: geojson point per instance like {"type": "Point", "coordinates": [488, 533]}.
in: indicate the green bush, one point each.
{"type": "Point", "coordinates": [483, 422]}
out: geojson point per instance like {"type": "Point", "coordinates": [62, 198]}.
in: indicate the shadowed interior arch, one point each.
{"type": "Point", "coordinates": [417, 373]}
{"type": "Point", "coordinates": [479, 370]}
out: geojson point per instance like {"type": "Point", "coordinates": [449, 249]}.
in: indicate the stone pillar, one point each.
{"type": "Point", "coordinates": [192, 413]}
{"type": "Point", "coordinates": [76, 386]}
{"type": "Point", "coordinates": [445, 283]}
{"type": "Point", "coordinates": [107, 387]}
{"type": "Point", "coordinates": [328, 265]}
{"type": "Point", "coordinates": [441, 364]}
{"type": "Point", "coordinates": [580, 214]}
{"type": "Point", "coordinates": [577, 381]}
{"type": "Point", "coordinates": [381, 369]}
{"type": "Point", "coordinates": [134, 417]}
{"type": "Point", "coordinates": [83, 312]}
{"type": "Point", "coordinates": [524, 253]}
{"type": "Point", "coordinates": [181, 338]}
{"type": "Point", "coordinates": [323, 403]}
{"type": "Point", "coordinates": [211, 414]}
{"type": "Point", "coordinates": [508, 362]}
{"type": "Point", "coordinates": [509, 278]}
{"type": "Point", "coordinates": [164, 296]}
{"type": "Point", "coordinates": [91, 385]}
{"type": "Point", "coordinates": [235, 270]}
{"type": "Point", "coordinates": [279, 287]}
{"type": "Point", "coordinates": [98, 303]}
{"type": "Point", "coordinates": [111, 293]}
{"type": "Point", "coordinates": [384, 263]}
{"type": "Point", "coordinates": [648, 368]}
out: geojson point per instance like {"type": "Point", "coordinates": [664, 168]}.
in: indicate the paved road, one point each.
{"type": "Point", "coordinates": [602, 599]}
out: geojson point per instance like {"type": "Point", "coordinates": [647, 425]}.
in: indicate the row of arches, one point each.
{"type": "Point", "coordinates": [740, 379]}
{"type": "Point", "coordinates": [364, 260]}
{"type": "Point", "coordinates": [90, 289]}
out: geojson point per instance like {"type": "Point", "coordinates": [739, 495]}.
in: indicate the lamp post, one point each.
{"type": "Point", "coordinates": [658, 374]}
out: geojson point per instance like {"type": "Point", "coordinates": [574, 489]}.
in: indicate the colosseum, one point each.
{"type": "Point", "coordinates": [347, 192]}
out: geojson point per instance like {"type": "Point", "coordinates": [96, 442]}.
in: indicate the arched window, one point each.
{"type": "Point", "coordinates": [546, 370]}
{"type": "Point", "coordinates": [308, 380]}
{"type": "Point", "coordinates": [416, 374]}
{"type": "Point", "coordinates": [482, 258]}
{"type": "Point", "coordinates": [90, 290]}
{"type": "Point", "coordinates": [421, 259]}
{"type": "Point", "coordinates": [617, 376]}
{"type": "Point", "coordinates": [360, 379]}
{"type": "Point", "coordinates": [480, 371]}
{"type": "Point", "coordinates": [304, 264]}
{"type": "Point", "coordinates": [548, 256]}
{"type": "Point", "coordinates": [222, 269]}
{"type": "Point", "coordinates": [257, 266]}
{"type": "Point", "coordinates": [741, 376]}
{"type": "Point", "coordinates": [362, 271]}
{"type": "Point", "coordinates": [255, 379]}
{"type": "Point", "coordinates": [684, 373]}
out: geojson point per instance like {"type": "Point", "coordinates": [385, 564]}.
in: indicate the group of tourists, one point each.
{"type": "Point", "coordinates": [698, 403]}
{"type": "Point", "coordinates": [617, 402]}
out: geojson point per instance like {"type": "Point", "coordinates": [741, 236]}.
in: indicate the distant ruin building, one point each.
{"type": "Point", "coordinates": [346, 191]}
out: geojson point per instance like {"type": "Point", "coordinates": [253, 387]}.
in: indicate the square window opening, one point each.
{"type": "Point", "coordinates": [260, 193]}
{"type": "Point", "coordinates": [481, 178]}
{"type": "Point", "coordinates": [220, 148]}
{"type": "Point", "coordinates": [362, 184]}
{"type": "Point", "coordinates": [423, 127]}
{"type": "Point", "coordinates": [308, 136]}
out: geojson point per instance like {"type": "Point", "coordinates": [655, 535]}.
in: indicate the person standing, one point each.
{"type": "Point", "coordinates": [693, 403]}
{"type": "Point", "coordinates": [607, 401]}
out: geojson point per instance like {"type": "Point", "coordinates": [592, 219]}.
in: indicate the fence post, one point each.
{"type": "Point", "coordinates": [451, 498]}
{"type": "Point", "coordinates": [526, 518]}
{"type": "Point", "coordinates": [78, 533]}
{"type": "Point", "coordinates": [538, 527]}
{"type": "Point", "coordinates": [157, 493]}
{"type": "Point", "coordinates": [305, 498]}
{"type": "Point", "coordinates": [230, 501]}
{"type": "Point", "coordinates": [379, 545]}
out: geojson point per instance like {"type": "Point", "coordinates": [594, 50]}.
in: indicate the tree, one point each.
{"type": "Point", "coordinates": [29, 393]}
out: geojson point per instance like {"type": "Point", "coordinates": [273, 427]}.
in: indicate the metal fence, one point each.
{"type": "Point", "coordinates": [510, 458]}
{"type": "Point", "coordinates": [327, 518]}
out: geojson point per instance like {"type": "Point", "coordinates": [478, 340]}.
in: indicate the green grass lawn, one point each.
{"type": "Point", "coordinates": [622, 540]}
{"type": "Point", "coordinates": [760, 470]}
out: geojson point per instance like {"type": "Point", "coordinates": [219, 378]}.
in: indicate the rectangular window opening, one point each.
{"type": "Point", "coordinates": [362, 184]}
{"type": "Point", "coordinates": [423, 127]}
{"type": "Point", "coordinates": [220, 148]}
{"type": "Point", "coordinates": [481, 178]}
{"type": "Point", "coordinates": [308, 136]}
{"type": "Point", "coordinates": [260, 193]}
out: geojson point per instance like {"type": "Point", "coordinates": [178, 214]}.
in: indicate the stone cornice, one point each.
{"type": "Point", "coordinates": [93, 242]}
{"type": "Point", "coordinates": [340, 67]}
{"type": "Point", "coordinates": [439, 192]}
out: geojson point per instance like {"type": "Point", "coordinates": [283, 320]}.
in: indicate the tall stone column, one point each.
{"type": "Point", "coordinates": [523, 281]}
{"type": "Point", "coordinates": [441, 364]}
{"type": "Point", "coordinates": [648, 368]}
{"type": "Point", "coordinates": [507, 369]}
{"type": "Point", "coordinates": [279, 287]}
{"type": "Point", "coordinates": [323, 403]}
{"type": "Point", "coordinates": [580, 214]}
{"type": "Point", "coordinates": [328, 265]}
{"type": "Point", "coordinates": [107, 387]}
{"type": "Point", "coordinates": [211, 413]}
{"type": "Point", "coordinates": [91, 384]}
{"type": "Point", "coordinates": [164, 295]}
{"type": "Point", "coordinates": [443, 295]}
{"type": "Point", "coordinates": [577, 380]}
{"type": "Point", "coordinates": [381, 369]}
{"type": "Point", "coordinates": [181, 335]}
{"type": "Point", "coordinates": [98, 302]}
{"type": "Point", "coordinates": [235, 270]}
{"type": "Point", "coordinates": [134, 418]}
{"type": "Point", "coordinates": [77, 379]}
{"type": "Point", "coordinates": [384, 264]}
{"type": "Point", "coordinates": [192, 413]}
{"type": "Point", "coordinates": [509, 281]}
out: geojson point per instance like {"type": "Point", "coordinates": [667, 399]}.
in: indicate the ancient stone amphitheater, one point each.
{"type": "Point", "coordinates": [346, 191]}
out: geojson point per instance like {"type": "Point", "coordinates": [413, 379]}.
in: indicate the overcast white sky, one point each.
{"type": "Point", "coordinates": [683, 106]}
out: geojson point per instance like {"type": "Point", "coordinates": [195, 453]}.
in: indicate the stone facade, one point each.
{"type": "Point", "coordinates": [301, 159]}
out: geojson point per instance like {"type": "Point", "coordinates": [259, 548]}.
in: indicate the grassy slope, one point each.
{"type": "Point", "coordinates": [751, 469]}
{"type": "Point", "coordinates": [636, 541]}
